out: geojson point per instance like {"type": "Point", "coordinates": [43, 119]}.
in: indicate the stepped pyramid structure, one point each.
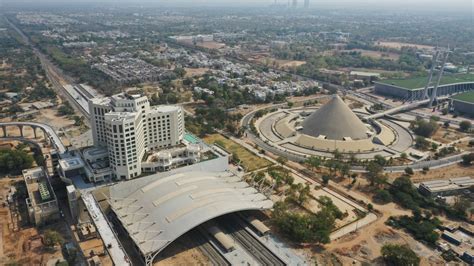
{"type": "Point", "coordinates": [335, 121]}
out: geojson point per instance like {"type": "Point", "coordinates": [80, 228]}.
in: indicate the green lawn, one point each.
{"type": "Point", "coordinates": [420, 82]}
{"type": "Point", "coordinates": [466, 97]}
{"type": "Point", "coordinates": [249, 160]}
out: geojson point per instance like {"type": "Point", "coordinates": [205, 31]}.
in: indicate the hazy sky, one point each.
{"type": "Point", "coordinates": [464, 5]}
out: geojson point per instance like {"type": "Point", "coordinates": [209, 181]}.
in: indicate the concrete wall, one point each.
{"type": "Point", "coordinates": [393, 91]}
{"type": "Point", "coordinates": [464, 108]}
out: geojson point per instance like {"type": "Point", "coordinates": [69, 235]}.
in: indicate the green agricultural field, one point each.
{"type": "Point", "coordinates": [420, 82]}
{"type": "Point", "coordinates": [249, 160]}
{"type": "Point", "coordinates": [466, 97]}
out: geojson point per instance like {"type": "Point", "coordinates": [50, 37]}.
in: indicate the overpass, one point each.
{"type": "Point", "coordinates": [402, 108]}
{"type": "Point", "coordinates": [48, 131]}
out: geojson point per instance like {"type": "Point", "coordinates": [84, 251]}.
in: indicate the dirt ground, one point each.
{"type": "Point", "coordinates": [375, 54]}
{"type": "Point", "coordinates": [451, 171]}
{"type": "Point", "coordinates": [181, 252]}
{"type": "Point", "coordinates": [448, 135]}
{"type": "Point", "coordinates": [211, 45]}
{"type": "Point", "coordinates": [24, 246]}
{"type": "Point", "coordinates": [283, 64]}
{"type": "Point", "coordinates": [365, 244]}
{"type": "Point", "coordinates": [192, 72]}
{"type": "Point", "coordinates": [399, 45]}
{"type": "Point", "coordinates": [50, 117]}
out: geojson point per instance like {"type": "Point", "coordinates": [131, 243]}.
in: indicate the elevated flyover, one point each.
{"type": "Point", "coordinates": [47, 130]}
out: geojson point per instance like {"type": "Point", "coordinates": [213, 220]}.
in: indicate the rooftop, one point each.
{"type": "Point", "coordinates": [420, 82]}
{"type": "Point", "coordinates": [71, 163]}
{"type": "Point", "coordinates": [447, 185]}
{"type": "Point", "coordinates": [157, 209]}
{"type": "Point", "coordinates": [38, 186]}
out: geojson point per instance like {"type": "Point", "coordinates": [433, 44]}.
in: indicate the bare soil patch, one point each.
{"type": "Point", "coordinates": [399, 45]}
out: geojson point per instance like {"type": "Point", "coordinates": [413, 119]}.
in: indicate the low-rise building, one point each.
{"type": "Point", "coordinates": [41, 202]}
{"type": "Point", "coordinates": [449, 187]}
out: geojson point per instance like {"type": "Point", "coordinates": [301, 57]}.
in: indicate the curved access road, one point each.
{"type": "Point", "coordinates": [418, 166]}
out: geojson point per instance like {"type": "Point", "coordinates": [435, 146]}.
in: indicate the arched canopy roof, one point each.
{"type": "Point", "coordinates": [156, 210]}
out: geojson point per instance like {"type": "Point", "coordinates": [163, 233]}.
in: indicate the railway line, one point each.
{"type": "Point", "coordinates": [254, 247]}
{"type": "Point", "coordinates": [216, 259]}
{"type": "Point", "coordinates": [57, 78]}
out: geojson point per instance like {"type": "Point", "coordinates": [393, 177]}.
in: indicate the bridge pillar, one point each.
{"type": "Point", "coordinates": [34, 132]}
{"type": "Point", "coordinates": [21, 130]}
{"type": "Point", "coordinates": [4, 128]}
{"type": "Point", "coordinates": [46, 136]}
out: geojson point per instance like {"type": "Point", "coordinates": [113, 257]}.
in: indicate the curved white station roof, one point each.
{"type": "Point", "coordinates": [156, 210]}
{"type": "Point", "coordinates": [335, 121]}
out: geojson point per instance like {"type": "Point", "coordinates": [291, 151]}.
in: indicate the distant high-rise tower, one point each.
{"type": "Point", "coordinates": [295, 3]}
{"type": "Point", "coordinates": [306, 3]}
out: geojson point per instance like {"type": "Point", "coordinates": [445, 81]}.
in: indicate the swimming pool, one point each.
{"type": "Point", "coordinates": [191, 138]}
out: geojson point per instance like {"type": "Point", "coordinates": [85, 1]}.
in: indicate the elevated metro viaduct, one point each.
{"type": "Point", "coordinates": [156, 210]}
{"type": "Point", "coordinates": [49, 133]}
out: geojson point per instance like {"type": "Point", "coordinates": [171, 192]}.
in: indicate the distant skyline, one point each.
{"type": "Point", "coordinates": [452, 5]}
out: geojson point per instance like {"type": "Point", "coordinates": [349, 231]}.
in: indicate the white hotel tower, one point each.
{"type": "Point", "coordinates": [129, 127]}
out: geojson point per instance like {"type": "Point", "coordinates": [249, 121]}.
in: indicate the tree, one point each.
{"type": "Point", "coordinates": [399, 255]}
{"type": "Point", "coordinates": [421, 143]}
{"type": "Point", "coordinates": [51, 238]}
{"type": "Point", "coordinates": [14, 161]}
{"type": "Point", "coordinates": [282, 160]}
{"type": "Point", "coordinates": [382, 196]}
{"type": "Point", "coordinates": [370, 207]}
{"type": "Point", "coordinates": [424, 128]}
{"type": "Point", "coordinates": [314, 162]}
{"type": "Point", "coordinates": [65, 109]}
{"type": "Point", "coordinates": [461, 206]}
{"type": "Point", "coordinates": [304, 228]}
{"type": "Point", "coordinates": [375, 173]}
{"type": "Point", "coordinates": [446, 124]}
{"type": "Point", "coordinates": [326, 179]}
{"type": "Point", "coordinates": [467, 159]}
{"type": "Point", "coordinates": [465, 126]}
{"type": "Point", "coordinates": [409, 171]}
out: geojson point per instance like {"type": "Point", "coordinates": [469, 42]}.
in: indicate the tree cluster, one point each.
{"type": "Point", "coordinates": [14, 161]}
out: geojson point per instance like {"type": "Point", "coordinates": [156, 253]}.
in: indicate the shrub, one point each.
{"type": "Point", "coordinates": [465, 126]}
{"type": "Point", "coordinates": [382, 197]}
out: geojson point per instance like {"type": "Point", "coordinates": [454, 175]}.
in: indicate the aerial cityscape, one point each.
{"type": "Point", "coordinates": [267, 132]}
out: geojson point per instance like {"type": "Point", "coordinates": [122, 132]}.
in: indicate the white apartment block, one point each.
{"type": "Point", "coordinates": [129, 128]}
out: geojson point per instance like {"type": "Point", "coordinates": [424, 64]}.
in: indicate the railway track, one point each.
{"type": "Point", "coordinates": [254, 247]}
{"type": "Point", "coordinates": [54, 75]}
{"type": "Point", "coordinates": [206, 248]}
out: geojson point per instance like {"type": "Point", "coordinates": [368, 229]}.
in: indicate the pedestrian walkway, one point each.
{"type": "Point", "coordinates": [111, 242]}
